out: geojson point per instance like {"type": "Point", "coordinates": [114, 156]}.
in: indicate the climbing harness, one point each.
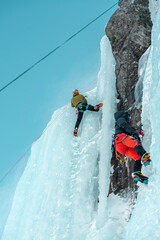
{"type": "Point", "coordinates": [81, 107]}
{"type": "Point", "coordinates": [118, 156]}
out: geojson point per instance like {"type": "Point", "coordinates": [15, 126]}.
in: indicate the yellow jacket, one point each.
{"type": "Point", "coordinates": [77, 98]}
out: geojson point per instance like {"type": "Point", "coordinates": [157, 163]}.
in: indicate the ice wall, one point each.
{"type": "Point", "coordinates": [154, 6]}
{"type": "Point", "coordinates": [65, 178]}
{"type": "Point", "coordinates": [7, 190]}
{"type": "Point", "coordinates": [145, 220]}
{"type": "Point", "coordinates": [141, 74]}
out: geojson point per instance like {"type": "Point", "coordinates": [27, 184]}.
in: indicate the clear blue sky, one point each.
{"type": "Point", "coordinates": [29, 30]}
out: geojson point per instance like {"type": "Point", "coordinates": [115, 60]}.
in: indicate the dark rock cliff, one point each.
{"type": "Point", "coordinates": [129, 32]}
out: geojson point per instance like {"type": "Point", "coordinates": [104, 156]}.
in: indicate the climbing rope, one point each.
{"type": "Point", "coordinates": [88, 87]}
{"type": "Point", "coordinates": [55, 49]}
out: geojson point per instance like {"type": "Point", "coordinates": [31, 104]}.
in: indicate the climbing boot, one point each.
{"type": "Point", "coordinates": [138, 176]}
{"type": "Point", "coordinates": [98, 106]}
{"type": "Point", "coordinates": [145, 159]}
{"type": "Point", "coordinates": [75, 131]}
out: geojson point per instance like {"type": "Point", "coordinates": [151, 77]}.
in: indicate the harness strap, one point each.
{"type": "Point", "coordinates": [81, 110]}
{"type": "Point", "coordinates": [79, 105]}
{"type": "Point", "coordinates": [87, 107]}
{"type": "Point", "coordinates": [119, 156]}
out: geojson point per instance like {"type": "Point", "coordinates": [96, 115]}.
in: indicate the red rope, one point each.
{"type": "Point", "coordinates": [15, 164]}
{"type": "Point", "coordinates": [88, 87]}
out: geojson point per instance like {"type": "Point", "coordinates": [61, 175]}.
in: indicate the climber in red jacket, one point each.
{"type": "Point", "coordinates": [127, 143]}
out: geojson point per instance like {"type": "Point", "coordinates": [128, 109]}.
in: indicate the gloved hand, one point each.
{"type": "Point", "coordinates": [136, 136]}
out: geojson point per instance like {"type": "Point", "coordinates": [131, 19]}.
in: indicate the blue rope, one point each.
{"type": "Point", "coordinates": [55, 49]}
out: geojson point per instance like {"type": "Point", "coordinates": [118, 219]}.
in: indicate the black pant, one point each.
{"type": "Point", "coordinates": [81, 110]}
{"type": "Point", "coordinates": [140, 151]}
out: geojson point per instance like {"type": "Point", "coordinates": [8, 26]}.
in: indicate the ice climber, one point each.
{"type": "Point", "coordinates": [127, 143]}
{"type": "Point", "coordinates": [80, 103]}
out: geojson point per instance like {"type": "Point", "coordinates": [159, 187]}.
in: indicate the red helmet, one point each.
{"type": "Point", "coordinates": [75, 91]}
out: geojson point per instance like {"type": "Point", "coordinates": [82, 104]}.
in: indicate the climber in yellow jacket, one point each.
{"type": "Point", "coordinates": [79, 102]}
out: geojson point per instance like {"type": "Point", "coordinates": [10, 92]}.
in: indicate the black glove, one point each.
{"type": "Point", "coordinates": [135, 135]}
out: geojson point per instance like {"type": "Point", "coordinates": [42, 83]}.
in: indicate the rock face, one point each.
{"type": "Point", "coordinates": [129, 32]}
